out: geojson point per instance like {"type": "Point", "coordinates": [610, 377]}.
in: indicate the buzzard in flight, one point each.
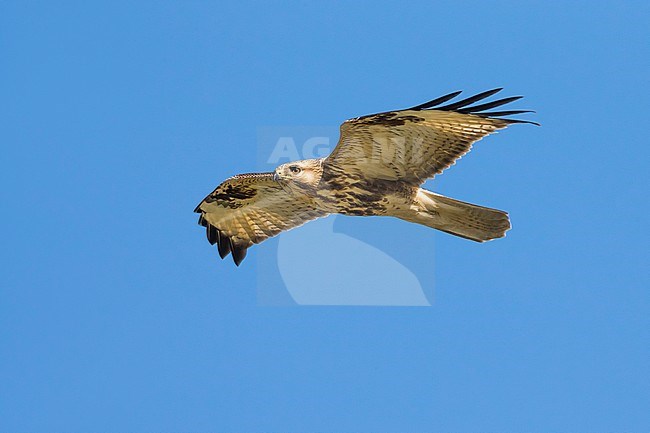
{"type": "Point", "coordinates": [376, 168]}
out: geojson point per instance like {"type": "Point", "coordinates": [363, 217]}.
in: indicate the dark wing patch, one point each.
{"type": "Point", "coordinates": [230, 194]}
{"type": "Point", "coordinates": [390, 118]}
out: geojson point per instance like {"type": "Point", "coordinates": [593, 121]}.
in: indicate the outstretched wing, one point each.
{"type": "Point", "coordinates": [417, 143]}
{"type": "Point", "coordinates": [248, 209]}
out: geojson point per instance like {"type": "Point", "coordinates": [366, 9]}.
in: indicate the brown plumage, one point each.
{"type": "Point", "coordinates": [376, 168]}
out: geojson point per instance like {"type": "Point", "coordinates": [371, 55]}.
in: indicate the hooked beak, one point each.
{"type": "Point", "coordinates": [276, 176]}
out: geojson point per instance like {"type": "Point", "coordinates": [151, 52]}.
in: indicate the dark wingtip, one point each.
{"type": "Point", "coordinates": [238, 252]}
{"type": "Point", "coordinates": [530, 122]}
{"type": "Point", "coordinates": [504, 113]}
{"type": "Point", "coordinates": [436, 101]}
{"type": "Point", "coordinates": [212, 234]}
{"type": "Point", "coordinates": [464, 106]}
{"type": "Point", "coordinates": [498, 114]}
{"type": "Point", "coordinates": [467, 101]}
{"type": "Point", "coordinates": [223, 245]}
{"type": "Point", "coordinates": [489, 105]}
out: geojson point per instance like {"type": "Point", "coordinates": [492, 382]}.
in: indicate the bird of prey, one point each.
{"type": "Point", "coordinates": [376, 169]}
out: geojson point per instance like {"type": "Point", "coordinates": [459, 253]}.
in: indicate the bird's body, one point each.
{"type": "Point", "coordinates": [376, 170]}
{"type": "Point", "coordinates": [335, 193]}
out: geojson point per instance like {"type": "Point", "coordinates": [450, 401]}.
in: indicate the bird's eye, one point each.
{"type": "Point", "coordinates": [294, 169]}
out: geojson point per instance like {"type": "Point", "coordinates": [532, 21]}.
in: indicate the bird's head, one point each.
{"type": "Point", "coordinates": [300, 175]}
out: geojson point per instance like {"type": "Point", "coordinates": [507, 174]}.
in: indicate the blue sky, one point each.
{"type": "Point", "coordinates": [116, 315]}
